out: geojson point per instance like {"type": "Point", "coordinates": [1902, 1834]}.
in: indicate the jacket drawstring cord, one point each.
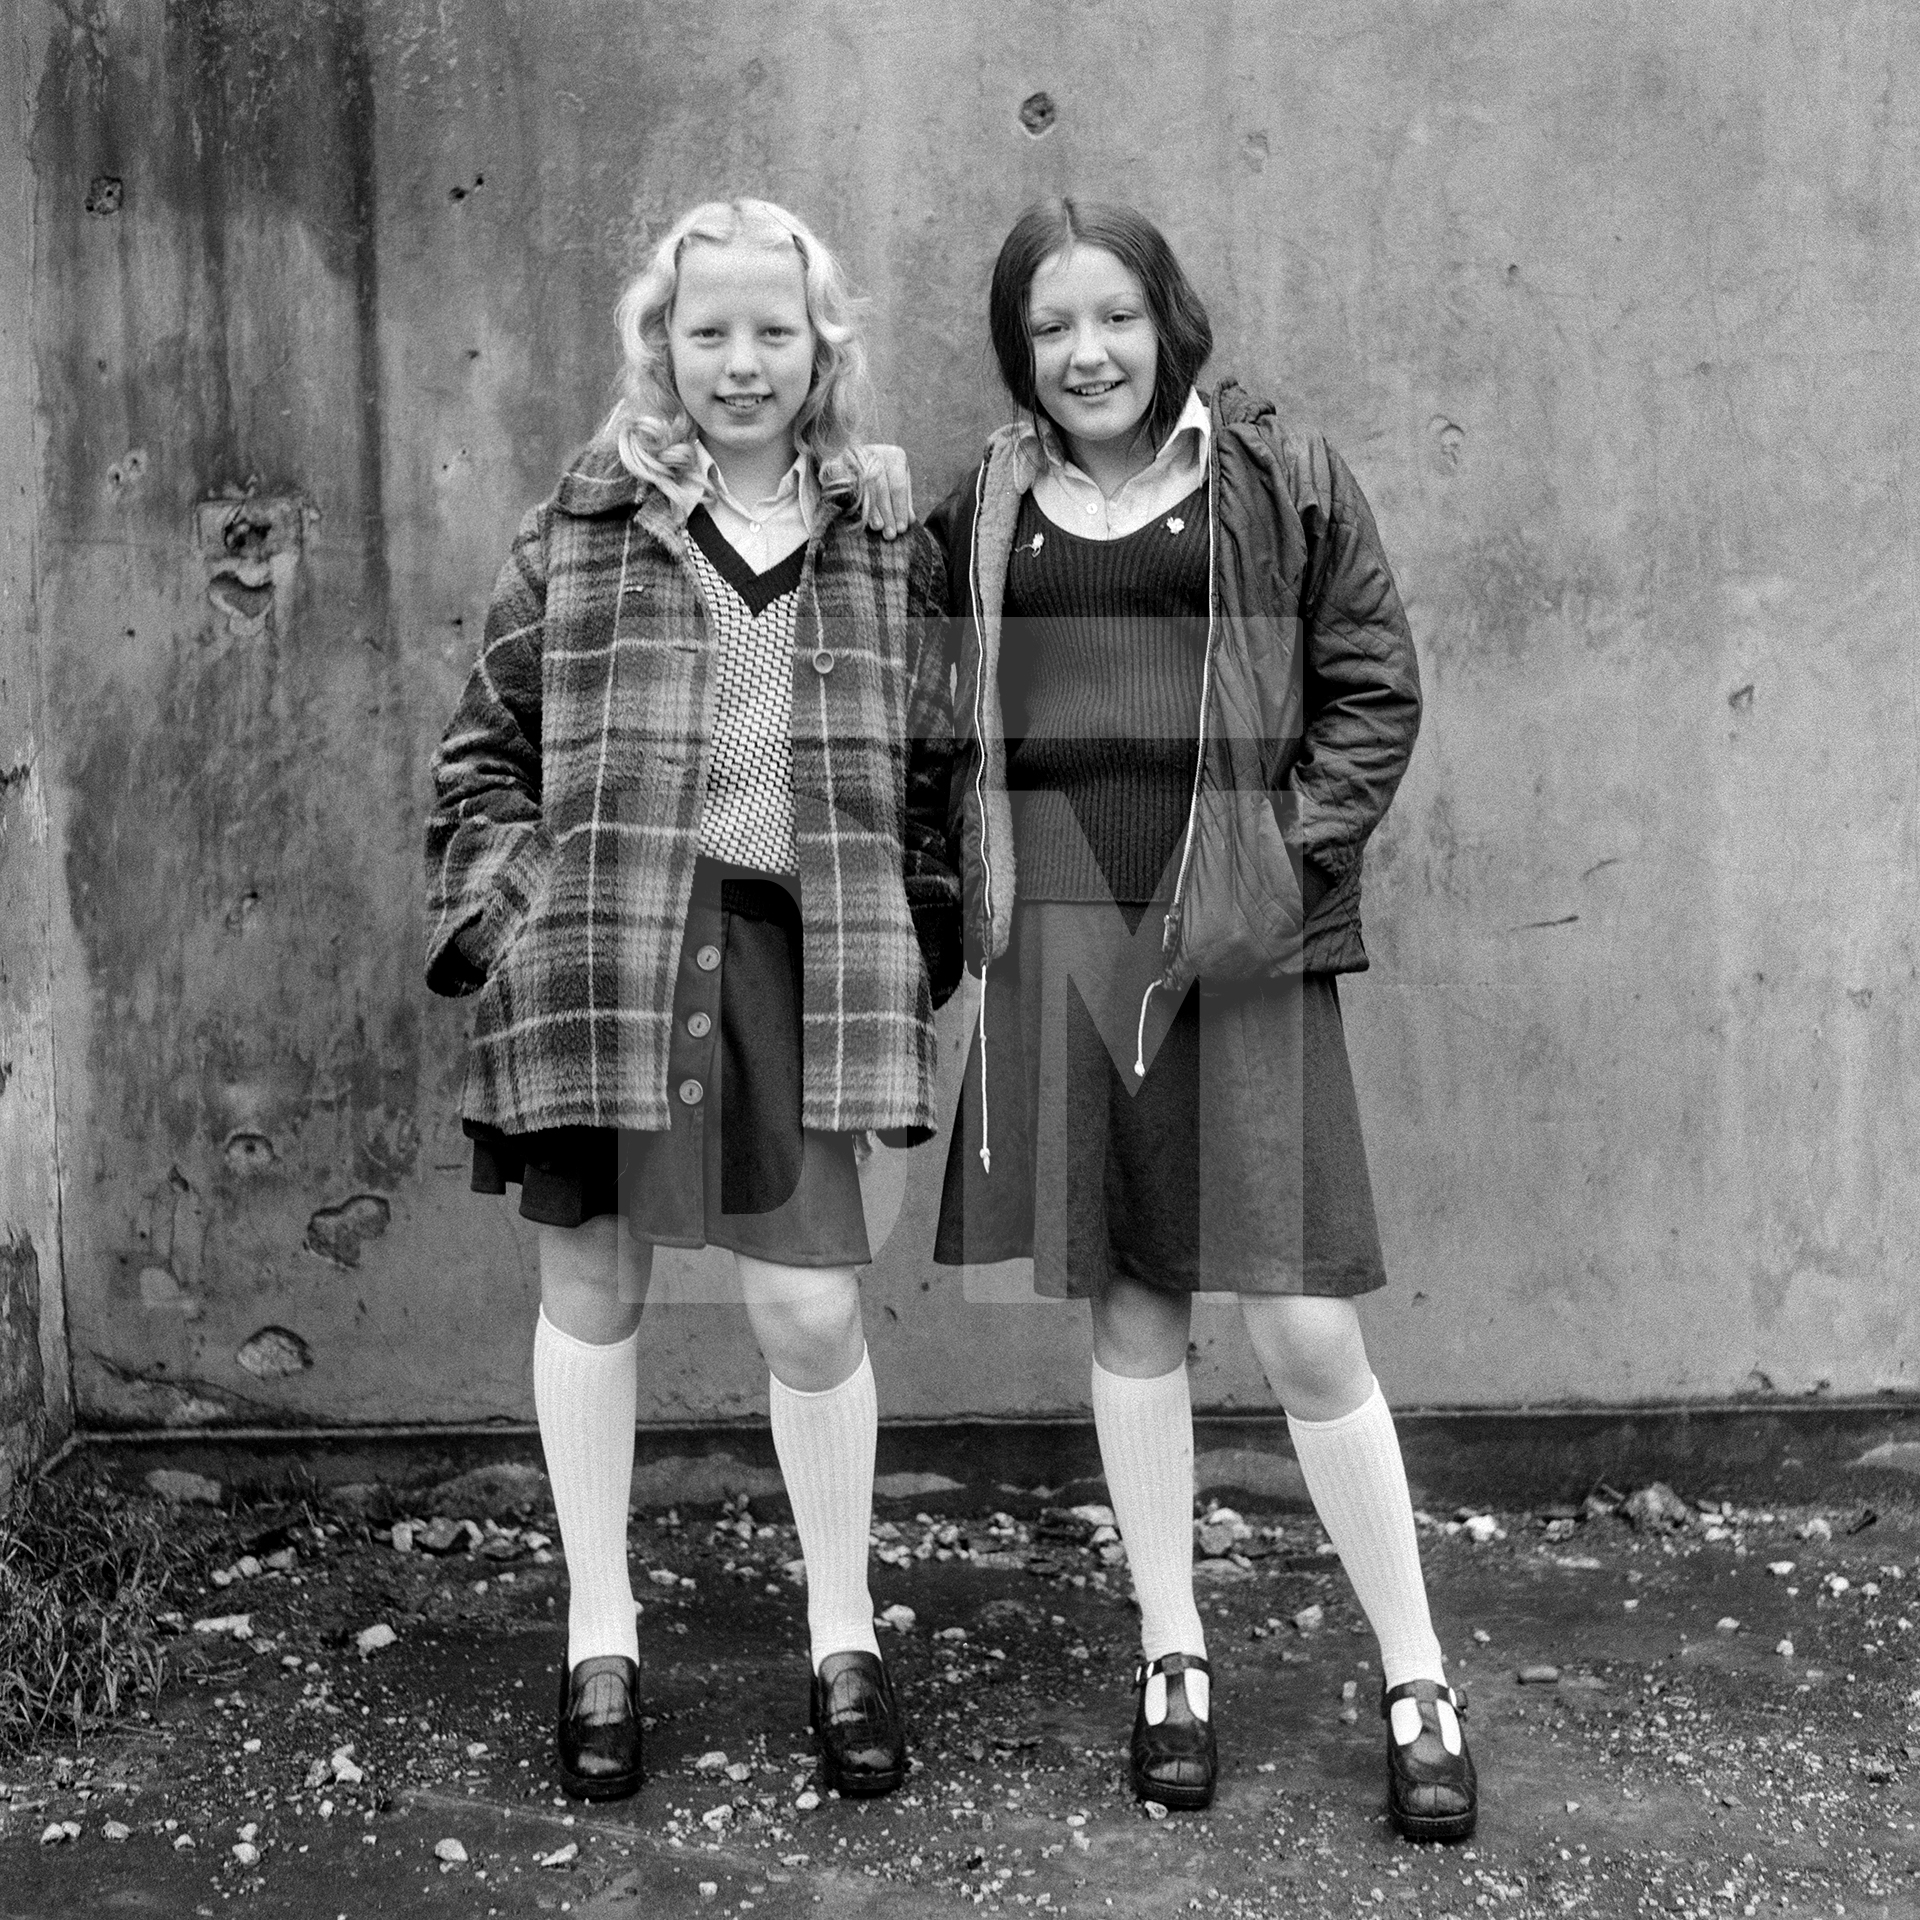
{"type": "Point", "coordinates": [1140, 1033]}
{"type": "Point", "coordinates": [980, 802]}
{"type": "Point", "coordinates": [986, 1152]}
{"type": "Point", "coordinates": [1200, 757]}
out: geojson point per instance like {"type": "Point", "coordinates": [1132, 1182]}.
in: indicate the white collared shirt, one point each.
{"type": "Point", "coordinates": [1073, 500]}
{"type": "Point", "coordinates": [765, 532]}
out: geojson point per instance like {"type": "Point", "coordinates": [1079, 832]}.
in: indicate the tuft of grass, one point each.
{"type": "Point", "coordinates": [84, 1575]}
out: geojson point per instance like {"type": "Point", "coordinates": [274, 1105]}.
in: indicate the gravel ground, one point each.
{"type": "Point", "coordinates": [1687, 1712]}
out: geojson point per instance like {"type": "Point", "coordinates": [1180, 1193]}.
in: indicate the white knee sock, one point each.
{"type": "Point", "coordinates": [585, 1398]}
{"type": "Point", "coordinates": [1358, 1481]}
{"type": "Point", "coordinates": [1145, 1429]}
{"type": "Point", "coordinates": [825, 1444]}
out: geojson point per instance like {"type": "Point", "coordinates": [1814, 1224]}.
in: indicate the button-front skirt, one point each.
{"type": "Point", "coordinates": [736, 1169]}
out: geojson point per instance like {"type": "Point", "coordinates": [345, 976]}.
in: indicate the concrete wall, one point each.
{"type": "Point", "coordinates": [1610, 309]}
{"type": "Point", "coordinates": [33, 1370]}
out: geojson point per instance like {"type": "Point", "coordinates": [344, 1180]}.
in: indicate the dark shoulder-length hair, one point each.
{"type": "Point", "coordinates": [1181, 329]}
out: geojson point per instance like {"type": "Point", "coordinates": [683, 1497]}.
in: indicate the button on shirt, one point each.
{"type": "Point", "coordinates": [768, 530]}
{"type": "Point", "coordinates": [1073, 500]}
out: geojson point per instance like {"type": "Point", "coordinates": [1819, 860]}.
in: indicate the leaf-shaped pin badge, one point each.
{"type": "Point", "coordinates": [1175, 523]}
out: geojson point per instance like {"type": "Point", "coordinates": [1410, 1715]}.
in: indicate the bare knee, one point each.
{"type": "Point", "coordinates": [1312, 1352]}
{"type": "Point", "coordinates": [1139, 1331]}
{"type": "Point", "coordinates": [807, 1321]}
{"type": "Point", "coordinates": [581, 1274]}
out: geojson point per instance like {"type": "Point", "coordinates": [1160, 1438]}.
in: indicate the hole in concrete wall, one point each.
{"type": "Point", "coordinates": [275, 1352]}
{"type": "Point", "coordinates": [1448, 439]}
{"type": "Point", "coordinates": [252, 527]}
{"type": "Point", "coordinates": [249, 1152]}
{"type": "Point", "coordinates": [105, 192]}
{"type": "Point", "coordinates": [338, 1233]}
{"type": "Point", "coordinates": [129, 470]}
{"type": "Point", "coordinates": [251, 546]}
{"type": "Point", "coordinates": [1038, 113]}
{"type": "Point", "coordinates": [247, 534]}
{"type": "Point", "coordinates": [244, 605]}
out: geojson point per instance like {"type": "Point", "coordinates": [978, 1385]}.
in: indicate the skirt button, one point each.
{"type": "Point", "coordinates": [707, 959]}
{"type": "Point", "coordinates": [691, 1092]}
{"type": "Point", "coordinates": [823, 661]}
{"type": "Point", "coordinates": [699, 1025]}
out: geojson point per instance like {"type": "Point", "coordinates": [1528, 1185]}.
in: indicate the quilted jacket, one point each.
{"type": "Point", "coordinates": [566, 821]}
{"type": "Point", "coordinates": [1309, 708]}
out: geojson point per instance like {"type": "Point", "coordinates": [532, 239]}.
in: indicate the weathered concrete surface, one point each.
{"type": "Point", "coordinates": [1610, 315]}
{"type": "Point", "coordinates": [33, 1368]}
{"type": "Point", "coordinates": [1668, 1759]}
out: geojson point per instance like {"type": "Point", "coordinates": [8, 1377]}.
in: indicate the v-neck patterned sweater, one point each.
{"type": "Point", "coordinates": [748, 815]}
{"type": "Point", "coordinates": [1101, 673]}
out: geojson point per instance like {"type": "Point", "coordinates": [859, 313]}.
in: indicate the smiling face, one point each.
{"type": "Point", "coordinates": [1095, 355]}
{"type": "Point", "coordinates": [742, 352]}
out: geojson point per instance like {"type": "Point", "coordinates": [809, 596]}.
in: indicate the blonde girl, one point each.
{"type": "Point", "coordinates": [688, 851]}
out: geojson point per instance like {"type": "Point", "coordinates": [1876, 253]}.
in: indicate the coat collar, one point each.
{"type": "Point", "coordinates": [1016, 455]}
{"type": "Point", "coordinates": [596, 484]}
{"type": "Point", "coordinates": [1234, 406]}
{"type": "Point", "coordinates": [1195, 418]}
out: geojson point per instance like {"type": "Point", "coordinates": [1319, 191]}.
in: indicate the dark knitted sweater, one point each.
{"type": "Point", "coordinates": [1101, 667]}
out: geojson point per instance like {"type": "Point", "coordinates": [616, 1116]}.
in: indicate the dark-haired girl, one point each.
{"type": "Point", "coordinates": [1187, 692]}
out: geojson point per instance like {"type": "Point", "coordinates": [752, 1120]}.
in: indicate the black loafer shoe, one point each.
{"type": "Point", "coordinates": [1176, 1762]}
{"type": "Point", "coordinates": [598, 1736]}
{"type": "Point", "coordinates": [1431, 1794]}
{"type": "Point", "coordinates": [863, 1746]}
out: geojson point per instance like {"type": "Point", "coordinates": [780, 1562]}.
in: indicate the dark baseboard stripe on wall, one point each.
{"type": "Point", "coordinates": [1801, 1453]}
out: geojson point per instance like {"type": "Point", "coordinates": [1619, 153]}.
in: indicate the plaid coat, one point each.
{"type": "Point", "coordinates": [567, 798]}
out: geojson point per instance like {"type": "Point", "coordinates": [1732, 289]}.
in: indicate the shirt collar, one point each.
{"type": "Point", "coordinates": [798, 485]}
{"type": "Point", "coordinates": [1196, 420]}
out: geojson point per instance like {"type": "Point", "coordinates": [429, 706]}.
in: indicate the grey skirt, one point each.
{"type": "Point", "coordinates": [1235, 1164]}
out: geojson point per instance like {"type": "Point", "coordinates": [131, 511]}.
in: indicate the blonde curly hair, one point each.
{"type": "Point", "coordinates": [650, 428]}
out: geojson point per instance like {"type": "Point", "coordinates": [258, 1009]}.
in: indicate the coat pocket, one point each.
{"type": "Point", "coordinates": [517, 896]}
